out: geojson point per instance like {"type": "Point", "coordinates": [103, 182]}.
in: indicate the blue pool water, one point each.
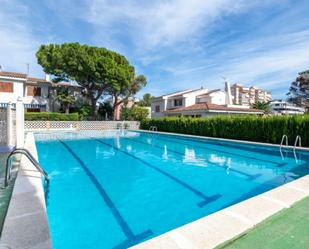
{"type": "Point", "coordinates": [117, 189]}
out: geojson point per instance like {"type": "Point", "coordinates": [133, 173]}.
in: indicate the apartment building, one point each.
{"type": "Point", "coordinates": [242, 95]}
{"type": "Point", "coordinates": [37, 94]}
{"type": "Point", "coordinates": [283, 107]}
{"type": "Point", "coordinates": [198, 103]}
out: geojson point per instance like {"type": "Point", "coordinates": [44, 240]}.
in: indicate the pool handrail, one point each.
{"type": "Point", "coordinates": [32, 160]}
{"type": "Point", "coordinates": [297, 139]}
{"type": "Point", "coordinates": [284, 138]}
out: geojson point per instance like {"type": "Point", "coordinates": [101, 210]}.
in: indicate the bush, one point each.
{"type": "Point", "coordinates": [267, 129]}
{"type": "Point", "coordinates": [50, 116]}
{"type": "Point", "coordinates": [134, 113]}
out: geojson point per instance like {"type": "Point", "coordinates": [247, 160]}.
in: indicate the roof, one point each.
{"type": "Point", "coordinates": [209, 107]}
{"type": "Point", "coordinates": [13, 74]}
{"type": "Point", "coordinates": [210, 92]}
{"type": "Point", "coordinates": [174, 93]}
{"type": "Point", "coordinates": [36, 80]}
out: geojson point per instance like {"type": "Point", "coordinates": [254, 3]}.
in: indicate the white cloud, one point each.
{"type": "Point", "coordinates": [159, 23]}
{"type": "Point", "coordinates": [17, 45]}
{"type": "Point", "coordinates": [268, 61]}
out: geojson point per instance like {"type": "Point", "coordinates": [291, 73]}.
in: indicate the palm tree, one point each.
{"type": "Point", "coordinates": [262, 106]}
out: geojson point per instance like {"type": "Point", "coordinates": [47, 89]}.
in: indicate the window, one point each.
{"type": "Point", "coordinates": [157, 108]}
{"type": "Point", "coordinates": [178, 102]}
{"type": "Point", "coordinates": [33, 110]}
{"type": "Point", "coordinates": [6, 87]}
{"type": "Point", "coordinates": [33, 91]}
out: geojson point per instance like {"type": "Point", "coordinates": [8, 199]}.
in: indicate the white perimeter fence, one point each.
{"type": "Point", "coordinates": [13, 125]}
{"type": "Point", "coordinates": [79, 125]}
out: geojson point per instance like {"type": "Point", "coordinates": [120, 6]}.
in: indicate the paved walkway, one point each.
{"type": "Point", "coordinates": [284, 230]}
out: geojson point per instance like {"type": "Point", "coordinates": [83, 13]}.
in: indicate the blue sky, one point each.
{"type": "Point", "coordinates": [176, 44]}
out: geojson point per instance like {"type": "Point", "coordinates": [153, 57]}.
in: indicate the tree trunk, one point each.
{"type": "Point", "coordinates": [115, 112]}
{"type": "Point", "coordinates": [115, 104]}
{"type": "Point", "coordinates": [67, 108]}
{"type": "Point", "coordinates": [94, 108]}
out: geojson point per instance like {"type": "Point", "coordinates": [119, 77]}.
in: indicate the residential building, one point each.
{"type": "Point", "coordinates": [198, 103]}
{"type": "Point", "coordinates": [283, 107]}
{"type": "Point", "coordinates": [174, 100]}
{"type": "Point", "coordinates": [248, 95]}
{"type": "Point", "coordinates": [37, 94]}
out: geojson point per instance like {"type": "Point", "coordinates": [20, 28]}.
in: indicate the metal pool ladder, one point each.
{"type": "Point", "coordinates": [153, 128]}
{"type": "Point", "coordinates": [32, 160]}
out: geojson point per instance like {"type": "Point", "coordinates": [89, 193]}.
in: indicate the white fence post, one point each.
{"type": "Point", "coordinates": [20, 120]}
{"type": "Point", "coordinates": [9, 125]}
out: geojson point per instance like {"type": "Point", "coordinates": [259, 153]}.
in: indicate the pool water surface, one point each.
{"type": "Point", "coordinates": [116, 189]}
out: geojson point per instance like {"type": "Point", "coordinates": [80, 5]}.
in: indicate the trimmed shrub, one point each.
{"type": "Point", "coordinates": [268, 129]}
{"type": "Point", "coordinates": [50, 116]}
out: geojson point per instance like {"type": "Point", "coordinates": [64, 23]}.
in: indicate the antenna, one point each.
{"type": "Point", "coordinates": [28, 68]}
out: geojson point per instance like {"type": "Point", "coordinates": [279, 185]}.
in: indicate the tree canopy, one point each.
{"type": "Point", "coordinates": [298, 92]}
{"type": "Point", "coordinates": [96, 69]}
{"type": "Point", "coordinates": [264, 106]}
{"type": "Point", "coordinates": [146, 101]}
{"type": "Point", "coordinates": [122, 90]}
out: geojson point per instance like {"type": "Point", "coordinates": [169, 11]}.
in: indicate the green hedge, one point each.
{"type": "Point", "coordinates": [267, 129]}
{"type": "Point", "coordinates": [51, 116]}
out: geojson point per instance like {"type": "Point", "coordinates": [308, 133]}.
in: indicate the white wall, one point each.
{"type": "Point", "coordinates": [217, 98]}
{"type": "Point", "coordinates": [162, 104]}
{"type": "Point", "coordinates": [18, 91]}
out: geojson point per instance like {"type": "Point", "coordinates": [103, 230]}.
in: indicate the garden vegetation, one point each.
{"type": "Point", "coordinates": [268, 129]}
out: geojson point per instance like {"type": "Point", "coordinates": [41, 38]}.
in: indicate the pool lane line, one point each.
{"type": "Point", "coordinates": [132, 238]}
{"type": "Point", "coordinates": [169, 139]}
{"type": "Point", "coordinates": [207, 199]}
{"type": "Point", "coordinates": [249, 176]}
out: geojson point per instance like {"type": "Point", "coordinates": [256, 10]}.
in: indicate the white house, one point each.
{"type": "Point", "coordinates": [282, 107]}
{"type": "Point", "coordinates": [34, 91]}
{"type": "Point", "coordinates": [174, 100]}
{"type": "Point", "coordinates": [198, 103]}
{"type": "Point", "coordinates": [37, 94]}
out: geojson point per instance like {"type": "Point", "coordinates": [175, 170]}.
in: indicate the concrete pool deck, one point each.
{"type": "Point", "coordinates": [285, 229]}
{"type": "Point", "coordinates": [26, 225]}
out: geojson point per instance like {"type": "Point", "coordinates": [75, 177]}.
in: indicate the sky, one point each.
{"type": "Point", "coordinates": [176, 44]}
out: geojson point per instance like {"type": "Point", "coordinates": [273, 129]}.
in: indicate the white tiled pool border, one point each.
{"type": "Point", "coordinates": [26, 225]}
{"type": "Point", "coordinates": [219, 227]}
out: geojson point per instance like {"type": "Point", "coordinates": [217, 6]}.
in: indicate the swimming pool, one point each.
{"type": "Point", "coordinates": [116, 189]}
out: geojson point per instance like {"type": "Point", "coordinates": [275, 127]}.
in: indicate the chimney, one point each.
{"type": "Point", "coordinates": [228, 95]}
{"type": "Point", "coordinates": [47, 77]}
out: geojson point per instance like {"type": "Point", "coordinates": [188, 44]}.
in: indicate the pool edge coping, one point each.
{"type": "Point", "coordinates": [213, 230]}
{"type": "Point", "coordinates": [26, 224]}
{"type": "Point", "coordinates": [223, 139]}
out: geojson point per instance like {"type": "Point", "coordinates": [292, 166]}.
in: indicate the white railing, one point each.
{"type": "Point", "coordinates": [79, 125]}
